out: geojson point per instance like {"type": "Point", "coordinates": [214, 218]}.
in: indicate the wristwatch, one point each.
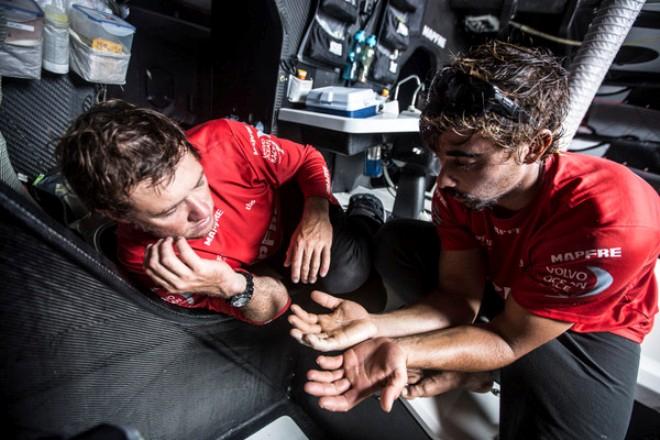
{"type": "Point", "coordinates": [242, 299]}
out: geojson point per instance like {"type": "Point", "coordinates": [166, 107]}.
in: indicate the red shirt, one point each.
{"type": "Point", "coordinates": [583, 251]}
{"type": "Point", "coordinates": [243, 167]}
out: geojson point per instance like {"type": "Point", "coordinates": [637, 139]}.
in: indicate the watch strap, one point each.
{"type": "Point", "coordinates": [242, 299]}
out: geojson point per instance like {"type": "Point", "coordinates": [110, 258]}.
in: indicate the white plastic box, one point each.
{"type": "Point", "coordinates": [20, 53]}
{"type": "Point", "coordinates": [100, 45]}
{"type": "Point", "coordinates": [343, 101]}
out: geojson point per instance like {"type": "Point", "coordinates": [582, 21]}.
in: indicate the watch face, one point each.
{"type": "Point", "coordinates": [240, 300]}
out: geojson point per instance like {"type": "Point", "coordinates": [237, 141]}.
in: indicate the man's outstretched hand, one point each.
{"type": "Point", "coordinates": [349, 378]}
{"type": "Point", "coordinates": [347, 324]}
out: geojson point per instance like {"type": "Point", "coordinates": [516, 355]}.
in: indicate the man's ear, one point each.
{"type": "Point", "coordinates": [539, 145]}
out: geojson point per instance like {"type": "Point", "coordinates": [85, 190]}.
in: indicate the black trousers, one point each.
{"type": "Point", "coordinates": [577, 386]}
{"type": "Point", "coordinates": [351, 254]}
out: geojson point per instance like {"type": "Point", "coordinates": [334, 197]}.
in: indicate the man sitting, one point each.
{"type": "Point", "coordinates": [195, 210]}
{"type": "Point", "coordinates": [554, 252]}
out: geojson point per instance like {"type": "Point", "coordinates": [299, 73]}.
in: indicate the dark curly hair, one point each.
{"type": "Point", "coordinates": [113, 147]}
{"type": "Point", "coordinates": [533, 78]}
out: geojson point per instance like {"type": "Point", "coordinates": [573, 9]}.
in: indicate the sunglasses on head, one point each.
{"type": "Point", "coordinates": [458, 94]}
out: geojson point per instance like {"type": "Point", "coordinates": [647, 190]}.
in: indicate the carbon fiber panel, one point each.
{"type": "Point", "coordinates": [78, 350]}
{"type": "Point", "coordinates": [35, 113]}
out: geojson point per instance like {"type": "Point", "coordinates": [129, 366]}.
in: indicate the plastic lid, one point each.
{"type": "Point", "coordinates": [301, 73]}
{"type": "Point", "coordinates": [109, 22]}
{"type": "Point", "coordinates": [21, 9]}
{"type": "Point", "coordinates": [385, 92]}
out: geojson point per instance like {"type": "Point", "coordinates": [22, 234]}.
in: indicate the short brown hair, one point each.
{"type": "Point", "coordinates": [113, 147]}
{"type": "Point", "coordinates": [532, 78]}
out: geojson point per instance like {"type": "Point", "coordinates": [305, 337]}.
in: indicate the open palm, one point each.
{"type": "Point", "coordinates": [347, 324]}
{"type": "Point", "coordinates": [349, 378]}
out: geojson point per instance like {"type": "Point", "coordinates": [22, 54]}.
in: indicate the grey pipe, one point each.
{"type": "Point", "coordinates": [594, 58]}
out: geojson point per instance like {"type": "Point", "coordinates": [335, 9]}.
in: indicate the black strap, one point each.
{"type": "Point", "coordinates": [508, 11]}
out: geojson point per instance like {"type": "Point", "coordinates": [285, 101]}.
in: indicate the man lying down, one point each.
{"type": "Point", "coordinates": [197, 209]}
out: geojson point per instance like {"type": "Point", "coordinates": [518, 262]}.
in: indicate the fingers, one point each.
{"type": "Point", "coordinates": [393, 389]}
{"type": "Point", "coordinates": [314, 266]}
{"type": "Point", "coordinates": [433, 385]}
{"type": "Point", "coordinates": [305, 269]}
{"type": "Point", "coordinates": [330, 362]}
{"type": "Point", "coordinates": [159, 273]}
{"type": "Point", "coordinates": [303, 325]}
{"type": "Point", "coordinates": [326, 342]}
{"type": "Point", "coordinates": [321, 389]}
{"type": "Point", "coordinates": [325, 300]}
{"type": "Point", "coordinates": [325, 261]}
{"type": "Point", "coordinates": [289, 254]}
{"type": "Point", "coordinates": [341, 403]}
{"type": "Point", "coordinates": [414, 375]}
{"type": "Point", "coordinates": [325, 376]}
{"type": "Point", "coordinates": [310, 318]}
{"type": "Point", "coordinates": [187, 254]}
{"type": "Point", "coordinates": [296, 263]}
{"type": "Point", "coordinates": [298, 336]}
{"type": "Point", "coordinates": [170, 260]}
{"type": "Point", "coordinates": [160, 281]}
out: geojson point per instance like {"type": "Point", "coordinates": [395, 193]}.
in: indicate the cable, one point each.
{"type": "Point", "coordinates": [532, 31]}
{"type": "Point", "coordinates": [391, 187]}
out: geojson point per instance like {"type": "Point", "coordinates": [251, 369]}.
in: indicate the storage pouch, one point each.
{"type": "Point", "coordinates": [344, 10]}
{"type": "Point", "coordinates": [20, 61]}
{"type": "Point", "coordinates": [386, 65]}
{"type": "Point", "coordinates": [394, 30]}
{"type": "Point", "coordinates": [327, 42]}
{"type": "Point", "coordinates": [96, 66]}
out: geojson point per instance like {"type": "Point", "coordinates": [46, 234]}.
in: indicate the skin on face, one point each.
{"type": "Point", "coordinates": [177, 207]}
{"type": "Point", "coordinates": [479, 174]}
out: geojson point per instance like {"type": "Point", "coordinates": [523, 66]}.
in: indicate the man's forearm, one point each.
{"type": "Point", "coordinates": [467, 348]}
{"type": "Point", "coordinates": [439, 310]}
{"type": "Point", "coordinates": [269, 297]}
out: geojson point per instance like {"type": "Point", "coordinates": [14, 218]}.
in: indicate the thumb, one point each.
{"type": "Point", "coordinates": [433, 385]}
{"type": "Point", "coordinates": [393, 389]}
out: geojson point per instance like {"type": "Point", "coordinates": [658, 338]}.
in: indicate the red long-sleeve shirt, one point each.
{"type": "Point", "coordinates": [244, 168]}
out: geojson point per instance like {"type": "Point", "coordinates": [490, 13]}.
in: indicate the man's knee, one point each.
{"type": "Point", "coordinates": [387, 247]}
{"type": "Point", "coordinates": [349, 269]}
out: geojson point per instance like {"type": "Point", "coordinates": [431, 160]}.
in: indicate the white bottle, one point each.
{"type": "Point", "coordinates": [56, 40]}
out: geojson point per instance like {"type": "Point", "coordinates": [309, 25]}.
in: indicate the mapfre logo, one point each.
{"type": "Point", "coordinates": [587, 254]}
{"type": "Point", "coordinates": [250, 204]}
{"type": "Point", "coordinates": [214, 230]}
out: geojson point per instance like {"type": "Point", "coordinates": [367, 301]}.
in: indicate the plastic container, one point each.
{"type": "Point", "coordinates": [100, 45]}
{"type": "Point", "coordinates": [25, 22]}
{"type": "Point", "coordinates": [343, 101]}
{"type": "Point", "coordinates": [102, 31]}
{"type": "Point", "coordinates": [20, 53]}
{"type": "Point", "coordinates": [56, 40]}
